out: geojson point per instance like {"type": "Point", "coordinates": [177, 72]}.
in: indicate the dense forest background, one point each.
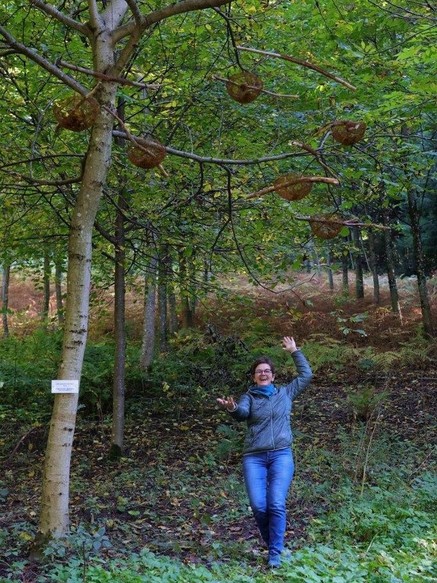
{"type": "Point", "coordinates": [173, 508]}
{"type": "Point", "coordinates": [182, 184]}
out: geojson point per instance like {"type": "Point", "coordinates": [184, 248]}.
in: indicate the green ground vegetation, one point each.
{"type": "Point", "coordinates": [173, 508]}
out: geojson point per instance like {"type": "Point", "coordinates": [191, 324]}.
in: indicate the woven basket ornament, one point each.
{"type": "Point", "coordinates": [326, 226]}
{"type": "Point", "coordinates": [76, 113]}
{"type": "Point", "coordinates": [294, 191]}
{"type": "Point", "coordinates": [244, 86]}
{"type": "Point", "coordinates": [348, 132]}
{"type": "Point", "coordinates": [150, 155]}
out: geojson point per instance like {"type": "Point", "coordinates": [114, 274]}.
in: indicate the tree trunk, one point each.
{"type": "Point", "coordinates": [207, 272]}
{"type": "Point", "coordinates": [187, 312]}
{"type": "Point", "coordinates": [54, 518]}
{"type": "Point", "coordinates": [428, 326]}
{"type": "Point", "coordinates": [316, 261]}
{"type": "Point", "coordinates": [119, 385]}
{"type": "Point", "coordinates": [359, 281]}
{"type": "Point", "coordinates": [389, 253]}
{"type": "Point", "coordinates": [58, 288]}
{"type": "Point", "coordinates": [172, 319]}
{"type": "Point", "coordinates": [345, 272]}
{"type": "Point", "coordinates": [119, 382]}
{"type": "Point", "coordinates": [162, 299]}
{"type": "Point", "coordinates": [329, 267]}
{"type": "Point", "coordinates": [374, 268]}
{"type": "Point", "coordinates": [172, 312]}
{"type": "Point", "coordinates": [5, 298]}
{"type": "Point", "coordinates": [46, 284]}
{"type": "Point", "coordinates": [148, 344]}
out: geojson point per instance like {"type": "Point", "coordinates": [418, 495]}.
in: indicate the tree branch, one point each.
{"type": "Point", "coordinates": [44, 63]}
{"type": "Point", "coordinates": [300, 62]}
{"type": "Point", "coordinates": [138, 142]}
{"type": "Point", "coordinates": [159, 15]}
{"type": "Point", "coordinates": [114, 12]}
{"type": "Point", "coordinates": [297, 180]}
{"type": "Point", "coordinates": [135, 28]}
{"type": "Point", "coordinates": [211, 160]}
{"type": "Point", "coordinates": [104, 77]}
{"type": "Point", "coordinates": [36, 181]}
{"type": "Point", "coordinates": [317, 155]}
{"type": "Point", "coordinates": [344, 222]}
{"type": "Point", "coordinates": [135, 11]}
{"type": "Point", "coordinates": [60, 17]}
{"type": "Point", "coordinates": [257, 88]}
{"type": "Point", "coordinates": [230, 162]}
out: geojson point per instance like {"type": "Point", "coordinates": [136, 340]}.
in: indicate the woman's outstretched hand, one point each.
{"type": "Point", "coordinates": [227, 403]}
{"type": "Point", "coordinates": [289, 344]}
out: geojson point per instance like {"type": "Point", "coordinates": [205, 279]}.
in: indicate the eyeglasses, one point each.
{"type": "Point", "coordinates": [265, 371]}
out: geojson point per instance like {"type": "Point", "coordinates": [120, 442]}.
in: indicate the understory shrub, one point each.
{"type": "Point", "coordinates": [364, 400]}
{"type": "Point", "coordinates": [202, 365]}
{"type": "Point", "coordinates": [27, 365]}
{"type": "Point", "coordinates": [200, 359]}
{"type": "Point", "coordinates": [327, 354]}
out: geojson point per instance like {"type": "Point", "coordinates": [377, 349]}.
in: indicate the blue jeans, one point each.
{"type": "Point", "coordinates": [268, 477]}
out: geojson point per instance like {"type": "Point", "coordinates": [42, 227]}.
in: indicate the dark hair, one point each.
{"type": "Point", "coordinates": [262, 360]}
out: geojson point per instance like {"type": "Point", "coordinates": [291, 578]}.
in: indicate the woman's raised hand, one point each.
{"type": "Point", "coordinates": [227, 403]}
{"type": "Point", "coordinates": [289, 344]}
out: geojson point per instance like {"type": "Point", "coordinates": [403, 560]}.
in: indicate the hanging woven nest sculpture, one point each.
{"type": "Point", "coordinates": [348, 132]}
{"type": "Point", "coordinates": [149, 155]}
{"type": "Point", "coordinates": [292, 186]}
{"type": "Point", "coordinates": [326, 226]}
{"type": "Point", "coordinates": [244, 86]}
{"type": "Point", "coordinates": [76, 113]}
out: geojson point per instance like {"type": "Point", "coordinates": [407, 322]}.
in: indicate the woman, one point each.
{"type": "Point", "coordinates": [268, 466]}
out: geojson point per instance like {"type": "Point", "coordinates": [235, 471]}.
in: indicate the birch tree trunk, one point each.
{"type": "Point", "coordinates": [54, 518]}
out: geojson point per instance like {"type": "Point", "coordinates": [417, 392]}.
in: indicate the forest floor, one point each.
{"type": "Point", "coordinates": [178, 488]}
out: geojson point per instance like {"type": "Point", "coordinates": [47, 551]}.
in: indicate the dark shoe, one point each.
{"type": "Point", "coordinates": [274, 561]}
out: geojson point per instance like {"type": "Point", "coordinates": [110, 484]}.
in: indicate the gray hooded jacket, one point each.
{"type": "Point", "coordinates": [268, 418]}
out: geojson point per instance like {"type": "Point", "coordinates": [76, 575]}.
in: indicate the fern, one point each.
{"type": "Point", "coordinates": [416, 352]}
{"type": "Point", "coordinates": [385, 360]}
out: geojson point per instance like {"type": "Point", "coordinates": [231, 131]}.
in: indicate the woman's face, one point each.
{"type": "Point", "coordinates": [263, 375]}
